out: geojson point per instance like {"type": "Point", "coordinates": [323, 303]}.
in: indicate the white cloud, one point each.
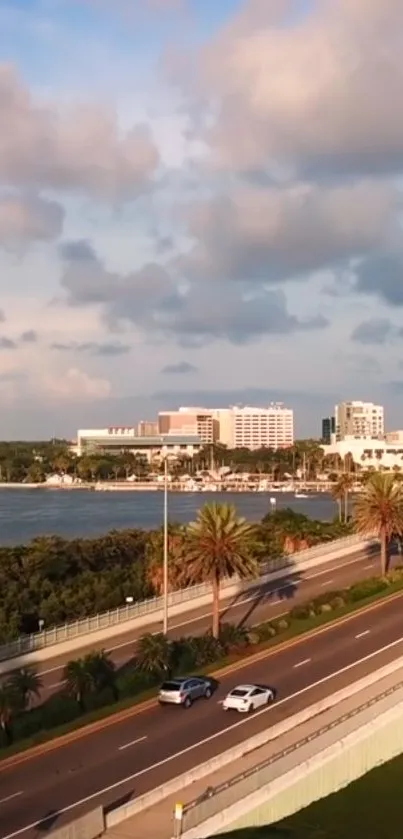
{"type": "Point", "coordinates": [320, 95]}
{"type": "Point", "coordinates": [78, 148]}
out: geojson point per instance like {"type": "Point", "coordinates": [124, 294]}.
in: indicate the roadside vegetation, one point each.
{"type": "Point", "coordinates": [56, 580]}
{"type": "Point", "coordinates": [93, 688]}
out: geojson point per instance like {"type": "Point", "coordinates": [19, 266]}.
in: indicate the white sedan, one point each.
{"type": "Point", "coordinates": [246, 698]}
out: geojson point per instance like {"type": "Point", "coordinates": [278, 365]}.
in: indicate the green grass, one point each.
{"type": "Point", "coordinates": [296, 628]}
{"type": "Point", "coordinates": [369, 808]}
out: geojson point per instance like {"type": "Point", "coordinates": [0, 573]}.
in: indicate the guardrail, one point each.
{"type": "Point", "coordinates": [85, 626]}
{"type": "Point", "coordinates": [215, 799]}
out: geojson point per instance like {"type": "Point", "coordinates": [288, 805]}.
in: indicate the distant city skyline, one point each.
{"type": "Point", "coordinates": [186, 217]}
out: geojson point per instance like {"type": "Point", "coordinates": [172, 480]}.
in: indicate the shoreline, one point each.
{"type": "Point", "coordinates": [297, 488]}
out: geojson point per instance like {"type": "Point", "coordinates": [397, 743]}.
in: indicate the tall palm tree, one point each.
{"type": "Point", "coordinates": [79, 680]}
{"type": "Point", "coordinates": [341, 494]}
{"type": "Point", "coordinates": [220, 544]}
{"type": "Point", "coordinates": [27, 684]}
{"type": "Point", "coordinates": [378, 511]}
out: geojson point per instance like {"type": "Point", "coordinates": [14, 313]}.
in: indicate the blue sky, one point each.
{"type": "Point", "coordinates": [201, 186]}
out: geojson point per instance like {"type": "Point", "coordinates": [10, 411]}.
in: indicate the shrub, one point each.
{"type": "Point", "coordinates": [302, 612]}
{"type": "Point", "coordinates": [337, 602]}
{"type": "Point", "coordinates": [281, 624]}
{"type": "Point", "coordinates": [253, 638]}
{"type": "Point", "coordinates": [325, 607]}
{"type": "Point", "coordinates": [233, 637]}
{"type": "Point", "coordinates": [367, 588]}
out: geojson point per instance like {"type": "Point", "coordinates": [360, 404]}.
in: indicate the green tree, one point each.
{"type": "Point", "coordinates": [103, 672]}
{"type": "Point", "coordinates": [154, 653]}
{"type": "Point", "coordinates": [79, 681]}
{"type": "Point", "coordinates": [220, 544]}
{"type": "Point", "coordinates": [26, 684]}
{"type": "Point", "coordinates": [8, 707]}
{"type": "Point", "coordinates": [378, 511]}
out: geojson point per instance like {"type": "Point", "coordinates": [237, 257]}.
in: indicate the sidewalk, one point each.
{"type": "Point", "coordinates": [158, 821]}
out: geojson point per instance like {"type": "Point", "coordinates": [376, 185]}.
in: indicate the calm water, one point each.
{"type": "Point", "coordinates": [28, 513]}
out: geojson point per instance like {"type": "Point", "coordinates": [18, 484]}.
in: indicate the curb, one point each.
{"type": "Point", "coordinates": [121, 716]}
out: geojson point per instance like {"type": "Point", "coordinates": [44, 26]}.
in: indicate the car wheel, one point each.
{"type": "Point", "coordinates": [250, 708]}
{"type": "Point", "coordinates": [187, 703]}
{"type": "Point", "coordinates": [208, 693]}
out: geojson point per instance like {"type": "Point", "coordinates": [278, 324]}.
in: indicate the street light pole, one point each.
{"type": "Point", "coordinates": [165, 563]}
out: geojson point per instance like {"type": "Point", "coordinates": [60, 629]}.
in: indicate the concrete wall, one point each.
{"type": "Point", "coordinates": [312, 771]}
{"type": "Point", "coordinates": [296, 566]}
{"type": "Point", "coordinates": [89, 826]}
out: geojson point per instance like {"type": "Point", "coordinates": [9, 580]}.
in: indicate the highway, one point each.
{"type": "Point", "coordinates": [136, 754]}
{"type": "Point", "coordinates": [255, 606]}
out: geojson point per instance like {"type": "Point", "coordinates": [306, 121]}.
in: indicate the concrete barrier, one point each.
{"type": "Point", "coordinates": [293, 567]}
{"type": "Point", "coordinates": [89, 826]}
{"type": "Point", "coordinates": [150, 799]}
{"type": "Point", "coordinates": [347, 752]}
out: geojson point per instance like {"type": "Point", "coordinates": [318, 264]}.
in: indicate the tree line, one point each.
{"type": "Point", "coordinates": [56, 580]}
{"type": "Point", "coordinates": [33, 462]}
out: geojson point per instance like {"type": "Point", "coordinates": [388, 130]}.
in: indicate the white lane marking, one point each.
{"type": "Point", "coordinates": [9, 797]}
{"type": "Point", "coordinates": [212, 737]}
{"type": "Point", "coordinates": [225, 608]}
{"type": "Point", "coordinates": [301, 663]}
{"type": "Point", "coordinates": [361, 634]}
{"type": "Point", "coordinates": [326, 583]}
{"type": "Point", "coordinates": [370, 564]}
{"type": "Point", "coordinates": [132, 743]}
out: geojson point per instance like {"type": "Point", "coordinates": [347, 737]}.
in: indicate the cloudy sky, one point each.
{"type": "Point", "coordinates": [200, 203]}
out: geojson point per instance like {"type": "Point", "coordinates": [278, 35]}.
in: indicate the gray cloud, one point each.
{"type": "Point", "coordinates": [199, 314]}
{"type": "Point", "coordinates": [7, 344]}
{"type": "Point", "coordinates": [2, 316]}
{"type": "Point", "coordinates": [268, 235]}
{"type": "Point", "coordinates": [93, 348]}
{"type": "Point", "coordinates": [26, 218]}
{"type": "Point", "coordinates": [382, 275]}
{"type": "Point", "coordinates": [29, 336]}
{"type": "Point", "coordinates": [373, 331]}
{"type": "Point", "coordinates": [75, 148]}
{"type": "Point", "coordinates": [182, 368]}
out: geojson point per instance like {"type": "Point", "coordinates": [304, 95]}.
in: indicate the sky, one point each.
{"type": "Point", "coordinates": [200, 204]}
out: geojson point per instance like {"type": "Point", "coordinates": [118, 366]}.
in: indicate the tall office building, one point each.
{"type": "Point", "coordinates": [359, 420]}
{"type": "Point", "coordinates": [256, 428]}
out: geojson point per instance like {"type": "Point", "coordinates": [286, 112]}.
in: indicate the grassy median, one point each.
{"type": "Point", "coordinates": [369, 808]}
{"type": "Point", "coordinates": [61, 715]}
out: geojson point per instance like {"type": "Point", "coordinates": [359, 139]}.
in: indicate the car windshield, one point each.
{"type": "Point", "coordinates": [171, 686]}
{"type": "Point", "coordinates": [239, 692]}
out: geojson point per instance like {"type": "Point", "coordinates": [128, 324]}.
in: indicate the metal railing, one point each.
{"type": "Point", "coordinates": [153, 606]}
{"type": "Point", "coordinates": [217, 798]}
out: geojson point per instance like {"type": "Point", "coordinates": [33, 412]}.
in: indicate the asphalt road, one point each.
{"type": "Point", "coordinates": [137, 754]}
{"type": "Point", "coordinates": [250, 608]}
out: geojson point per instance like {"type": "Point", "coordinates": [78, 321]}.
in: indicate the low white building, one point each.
{"type": "Point", "coordinates": [118, 439]}
{"type": "Point", "coordinates": [369, 453]}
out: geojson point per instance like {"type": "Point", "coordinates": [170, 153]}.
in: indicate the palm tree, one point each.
{"type": "Point", "coordinates": [27, 684]}
{"type": "Point", "coordinates": [8, 706]}
{"type": "Point", "coordinates": [220, 544]}
{"type": "Point", "coordinates": [154, 653]}
{"type": "Point", "coordinates": [102, 671]}
{"type": "Point", "coordinates": [79, 679]}
{"type": "Point", "coordinates": [341, 494]}
{"type": "Point", "coordinates": [378, 511]}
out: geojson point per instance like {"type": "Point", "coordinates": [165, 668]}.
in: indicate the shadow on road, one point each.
{"type": "Point", "coordinates": [119, 802]}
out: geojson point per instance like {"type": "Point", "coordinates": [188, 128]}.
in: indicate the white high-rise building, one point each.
{"type": "Point", "coordinates": [361, 420]}
{"type": "Point", "coordinates": [256, 428]}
